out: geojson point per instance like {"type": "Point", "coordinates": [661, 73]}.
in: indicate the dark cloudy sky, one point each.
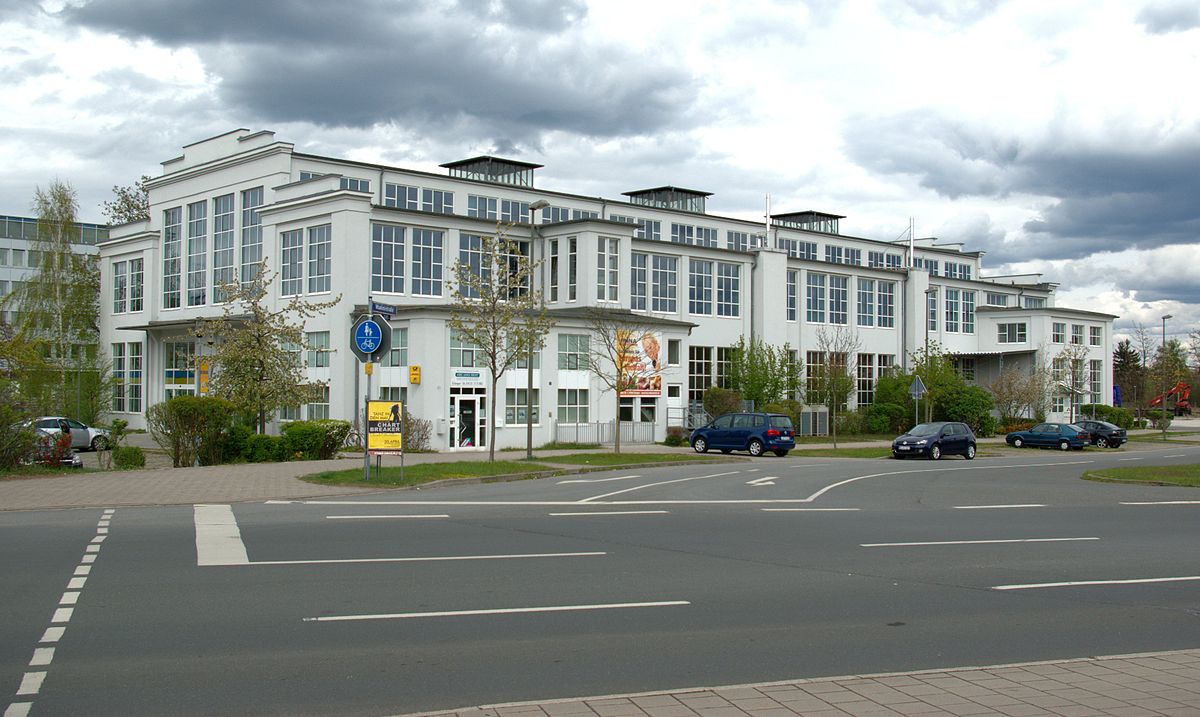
{"type": "Point", "coordinates": [1060, 137]}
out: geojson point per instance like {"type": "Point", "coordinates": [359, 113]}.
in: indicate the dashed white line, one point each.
{"type": "Point", "coordinates": [92, 549]}
{"type": "Point", "coordinates": [810, 510]}
{"type": "Point", "coordinates": [42, 656]}
{"type": "Point", "coordinates": [973, 542]}
{"type": "Point", "coordinates": [1077, 583]}
{"type": "Point", "coordinates": [1163, 502]}
{"type": "Point", "coordinates": [53, 634]}
{"type": "Point", "coordinates": [429, 559]}
{"type": "Point", "coordinates": [594, 480]}
{"type": "Point", "coordinates": [497, 611]}
{"type": "Point", "coordinates": [31, 683]}
{"type": "Point", "coordinates": [18, 709]}
{"type": "Point", "coordinates": [384, 517]}
{"type": "Point", "coordinates": [69, 598]}
{"type": "Point", "coordinates": [764, 481]}
{"type": "Point", "coordinates": [1176, 455]}
{"type": "Point", "coordinates": [616, 512]}
{"type": "Point", "coordinates": [62, 614]}
{"type": "Point", "coordinates": [76, 583]}
{"type": "Point", "coordinates": [90, 558]}
{"type": "Point", "coordinates": [991, 507]}
{"type": "Point", "coordinates": [83, 569]}
{"type": "Point", "coordinates": [1131, 459]}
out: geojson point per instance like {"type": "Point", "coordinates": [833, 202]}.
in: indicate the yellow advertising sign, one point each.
{"type": "Point", "coordinates": [385, 426]}
{"type": "Point", "coordinates": [414, 374]}
{"type": "Point", "coordinates": [203, 373]}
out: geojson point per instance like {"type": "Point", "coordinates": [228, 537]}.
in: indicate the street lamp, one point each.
{"type": "Point", "coordinates": [533, 235]}
{"type": "Point", "coordinates": [1163, 404]}
{"type": "Point", "coordinates": [930, 314]}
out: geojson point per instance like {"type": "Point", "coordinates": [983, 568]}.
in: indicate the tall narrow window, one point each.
{"type": "Point", "coordinates": [291, 263]}
{"type": "Point", "coordinates": [553, 270]}
{"type": "Point", "coordinates": [886, 314]}
{"type": "Point", "coordinates": [136, 286]}
{"type": "Point", "coordinates": [968, 311]}
{"type": "Point", "coordinates": [252, 255]}
{"type": "Point", "coordinates": [470, 256]}
{"type": "Point", "coordinates": [387, 258]}
{"type": "Point", "coordinates": [838, 299]}
{"type": "Point", "coordinates": [729, 289]}
{"type": "Point", "coordinates": [866, 302]}
{"type": "Point", "coordinates": [607, 269]}
{"type": "Point", "coordinates": [816, 298]}
{"type": "Point", "coordinates": [318, 349]}
{"type": "Point", "coordinates": [637, 282]}
{"type": "Point", "coordinates": [120, 277]}
{"type": "Point", "coordinates": [118, 377]}
{"type": "Point", "coordinates": [866, 379]}
{"type": "Point", "coordinates": [952, 310]}
{"type": "Point", "coordinates": [572, 268]}
{"type": "Point", "coordinates": [664, 280]}
{"type": "Point", "coordinates": [197, 251]}
{"type": "Point", "coordinates": [320, 251]}
{"type": "Point", "coordinates": [931, 309]}
{"type": "Point", "coordinates": [427, 250]}
{"type": "Point", "coordinates": [791, 294]}
{"type": "Point", "coordinates": [224, 257]}
{"type": "Point", "coordinates": [172, 252]}
{"type": "Point", "coordinates": [133, 377]}
{"type": "Point", "coordinates": [700, 287]}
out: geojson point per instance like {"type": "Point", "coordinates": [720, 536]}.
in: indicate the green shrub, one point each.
{"type": "Point", "coordinates": [15, 444]}
{"type": "Point", "coordinates": [334, 434]}
{"type": "Point", "coordinates": [1115, 415]}
{"type": "Point", "coordinates": [987, 427]}
{"type": "Point", "coordinates": [263, 448]}
{"type": "Point", "coordinates": [719, 401]}
{"type": "Point", "coordinates": [851, 423]}
{"type": "Point", "coordinates": [126, 457]}
{"type": "Point", "coordinates": [791, 409]}
{"type": "Point", "coordinates": [233, 447]}
{"type": "Point", "coordinates": [970, 404]}
{"type": "Point", "coordinates": [1008, 425]}
{"type": "Point", "coordinates": [885, 418]}
{"type": "Point", "coordinates": [191, 428]}
{"type": "Point", "coordinates": [303, 439]}
{"type": "Point", "coordinates": [676, 436]}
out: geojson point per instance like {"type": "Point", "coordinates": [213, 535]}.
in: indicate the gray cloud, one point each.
{"type": "Point", "coordinates": [503, 69]}
{"type": "Point", "coordinates": [1137, 192]}
{"type": "Point", "coordinates": [1167, 16]}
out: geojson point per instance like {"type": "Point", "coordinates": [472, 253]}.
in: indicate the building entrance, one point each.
{"type": "Point", "coordinates": [468, 419]}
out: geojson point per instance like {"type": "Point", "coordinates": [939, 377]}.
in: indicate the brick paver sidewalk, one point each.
{"type": "Point", "coordinates": [1164, 683]}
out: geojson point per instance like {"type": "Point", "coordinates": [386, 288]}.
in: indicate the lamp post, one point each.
{"type": "Point", "coordinates": [1163, 405]}
{"type": "Point", "coordinates": [533, 234]}
{"type": "Point", "coordinates": [931, 313]}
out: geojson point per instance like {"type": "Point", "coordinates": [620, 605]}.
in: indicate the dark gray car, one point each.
{"type": "Point", "coordinates": [934, 440]}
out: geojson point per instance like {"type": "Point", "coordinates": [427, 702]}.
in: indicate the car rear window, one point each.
{"type": "Point", "coordinates": [781, 422]}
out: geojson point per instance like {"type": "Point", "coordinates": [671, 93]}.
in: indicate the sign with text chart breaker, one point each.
{"type": "Point", "coordinates": [385, 432]}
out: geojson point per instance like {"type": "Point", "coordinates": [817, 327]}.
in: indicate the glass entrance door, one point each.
{"type": "Point", "coordinates": [467, 423]}
{"type": "Point", "coordinates": [468, 419]}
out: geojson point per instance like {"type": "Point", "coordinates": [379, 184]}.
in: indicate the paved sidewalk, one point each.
{"type": "Point", "coordinates": [1152, 684]}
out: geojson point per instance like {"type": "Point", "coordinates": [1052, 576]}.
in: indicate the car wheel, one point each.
{"type": "Point", "coordinates": [1102, 442]}
{"type": "Point", "coordinates": [781, 454]}
{"type": "Point", "coordinates": [935, 453]}
{"type": "Point", "coordinates": [970, 454]}
{"type": "Point", "coordinates": [99, 443]}
{"type": "Point", "coordinates": [1017, 443]}
{"type": "Point", "coordinates": [700, 445]}
{"type": "Point", "coordinates": [755, 447]}
{"type": "Point", "coordinates": [1064, 445]}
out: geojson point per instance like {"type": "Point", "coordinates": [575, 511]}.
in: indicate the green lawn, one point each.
{"type": "Point", "coordinates": [620, 459]}
{"type": "Point", "coordinates": [1172, 437]}
{"type": "Point", "coordinates": [848, 438]}
{"type": "Point", "coordinates": [1185, 475]}
{"type": "Point", "coordinates": [867, 452]}
{"type": "Point", "coordinates": [428, 472]}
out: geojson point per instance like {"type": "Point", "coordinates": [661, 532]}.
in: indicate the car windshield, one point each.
{"type": "Point", "coordinates": [925, 429]}
{"type": "Point", "coordinates": [781, 422]}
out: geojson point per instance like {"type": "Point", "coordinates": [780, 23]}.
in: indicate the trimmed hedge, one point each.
{"type": "Point", "coordinates": [127, 457]}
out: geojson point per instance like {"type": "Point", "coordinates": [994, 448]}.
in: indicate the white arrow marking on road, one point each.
{"type": "Point", "coordinates": [760, 482]}
{"type": "Point", "coordinates": [651, 485]}
{"type": "Point", "coordinates": [594, 480]}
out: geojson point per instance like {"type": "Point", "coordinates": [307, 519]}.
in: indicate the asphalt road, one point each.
{"type": "Point", "coordinates": [766, 569]}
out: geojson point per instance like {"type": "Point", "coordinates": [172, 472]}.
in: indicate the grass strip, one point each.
{"type": "Point", "coordinates": [862, 452]}
{"type": "Point", "coordinates": [1183, 475]}
{"type": "Point", "coordinates": [429, 472]}
{"type": "Point", "coordinates": [623, 459]}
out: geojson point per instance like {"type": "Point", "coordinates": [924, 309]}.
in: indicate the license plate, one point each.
{"type": "Point", "coordinates": [904, 448]}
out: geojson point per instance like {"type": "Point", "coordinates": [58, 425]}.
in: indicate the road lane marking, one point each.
{"type": "Point", "coordinates": [498, 611]}
{"type": "Point", "coordinates": [427, 559]}
{"type": "Point", "coordinates": [42, 656]}
{"type": "Point", "coordinates": [990, 507]}
{"type": "Point", "coordinates": [1131, 459]}
{"type": "Point", "coordinates": [99, 538]}
{"type": "Point", "coordinates": [1137, 581]}
{"type": "Point", "coordinates": [53, 634]}
{"type": "Point", "coordinates": [752, 470]}
{"type": "Point", "coordinates": [76, 583]}
{"type": "Point", "coordinates": [1176, 455]}
{"type": "Point", "coordinates": [69, 598]}
{"type": "Point", "coordinates": [594, 480]}
{"type": "Point", "coordinates": [92, 549]}
{"type": "Point", "coordinates": [31, 683]}
{"type": "Point", "coordinates": [89, 558]}
{"type": "Point", "coordinates": [18, 709]}
{"type": "Point", "coordinates": [1164, 502]}
{"type": "Point", "coordinates": [218, 540]}
{"type": "Point", "coordinates": [828, 488]}
{"type": "Point", "coordinates": [973, 542]}
{"type": "Point", "coordinates": [63, 614]}
{"type": "Point", "coordinates": [764, 481]}
{"type": "Point", "coordinates": [809, 510]}
{"type": "Point", "coordinates": [652, 485]}
{"type": "Point", "coordinates": [384, 517]}
{"type": "Point", "coordinates": [616, 512]}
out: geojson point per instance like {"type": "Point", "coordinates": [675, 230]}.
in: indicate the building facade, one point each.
{"type": "Point", "coordinates": [330, 227]}
{"type": "Point", "coordinates": [19, 257]}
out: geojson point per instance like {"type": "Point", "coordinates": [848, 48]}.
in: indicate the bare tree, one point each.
{"type": "Point", "coordinates": [1071, 375]}
{"type": "Point", "coordinates": [625, 355]}
{"type": "Point", "coordinates": [1145, 342]}
{"type": "Point", "coordinates": [1016, 391]}
{"type": "Point", "coordinates": [496, 309]}
{"type": "Point", "coordinates": [837, 372]}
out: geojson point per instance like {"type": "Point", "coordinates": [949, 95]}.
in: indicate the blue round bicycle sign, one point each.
{"type": "Point", "coordinates": [367, 336]}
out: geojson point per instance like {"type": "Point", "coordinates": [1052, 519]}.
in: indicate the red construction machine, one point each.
{"type": "Point", "coordinates": [1181, 392]}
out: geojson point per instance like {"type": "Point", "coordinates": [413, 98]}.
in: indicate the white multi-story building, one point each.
{"type": "Point", "coordinates": [331, 227]}
{"type": "Point", "coordinates": [19, 257]}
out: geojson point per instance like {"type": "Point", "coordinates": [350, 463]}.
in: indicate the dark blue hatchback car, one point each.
{"type": "Point", "coordinates": [754, 432]}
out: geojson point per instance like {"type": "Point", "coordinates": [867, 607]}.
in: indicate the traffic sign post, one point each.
{"type": "Point", "coordinates": [916, 390]}
{"type": "Point", "coordinates": [370, 339]}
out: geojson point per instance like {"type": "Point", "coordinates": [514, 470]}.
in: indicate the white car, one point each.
{"type": "Point", "coordinates": [83, 437]}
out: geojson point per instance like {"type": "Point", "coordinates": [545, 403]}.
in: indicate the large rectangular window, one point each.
{"type": "Point", "coordinates": [291, 263]}
{"type": "Point", "coordinates": [815, 312]}
{"type": "Point", "coordinates": [224, 271]}
{"type": "Point", "coordinates": [664, 278]}
{"type": "Point", "coordinates": [136, 283]}
{"type": "Point", "coordinates": [252, 256]}
{"type": "Point", "coordinates": [197, 254]}
{"type": "Point", "coordinates": [951, 309]}
{"type": "Point", "coordinates": [320, 253]}
{"type": "Point", "coordinates": [514, 211]}
{"type": "Point", "coordinates": [637, 282]}
{"type": "Point", "coordinates": [995, 298]}
{"type": "Point", "coordinates": [1077, 334]}
{"type": "Point", "coordinates": [387, 258]}
{"type": "Point", "coordinates": [437, 201]}
{"type": "Point", "coordinates": [120, 281]}
{"type": "Point", "coordinates": [866, 302]}
{"type": "Point", "coordinates": [573, 352]}
{"type": "Point", "coordinates": [572, 405]}
{"type": "Point", "coordinates": [470, 256]}
{"type": "Point", "coordinates": [1096, 335]}
{"type": "Point", "coordinates": [401, 196]}
{"type": "Point", "coordinates": [1014, 333]}
{"type": "Point", "coordinates": [172, 263]}
{"type": "Point", "coordinates": [463, 353]}
{"type": "Point", "coordinates": [792, 278]}
{"type": "Point", "coordinates": [1058, 333]}
{"type": "Point", "coordinates": [481, 207]}
{"type": "Point", "coordinates": [700, 287]}
{"type": "Point", "coordinates": [683, 234]}
{"type": "Point", "coordinates": [700, 371]}
{"type": "Point", "coordinates": [427, 251]}
{"type": "Point", "coordinates": [179, 374]}
{"type": "Point", "coordinates": [318, 349]}
{"type": "Point", "coordinates": [886, 307]}
{"type": "Point", "coordinates": [838, 299]}
{"type": "Point", "coordinates": [516, 404]}
{"type": "Point", "coordinates": [607, 269]}
{"type": "Point", "coordinates": [572, 268]}
{"type": "Point", "coordinates": [729, 289]}
{"type": "Point", "coordinates": [398, 355]}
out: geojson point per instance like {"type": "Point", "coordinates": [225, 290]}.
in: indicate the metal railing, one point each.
{"type": "Point", "coordinates": [601, 432]}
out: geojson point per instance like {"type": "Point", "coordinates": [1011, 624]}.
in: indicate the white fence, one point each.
{"type": "Point", "coordinates": [602, 432]}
